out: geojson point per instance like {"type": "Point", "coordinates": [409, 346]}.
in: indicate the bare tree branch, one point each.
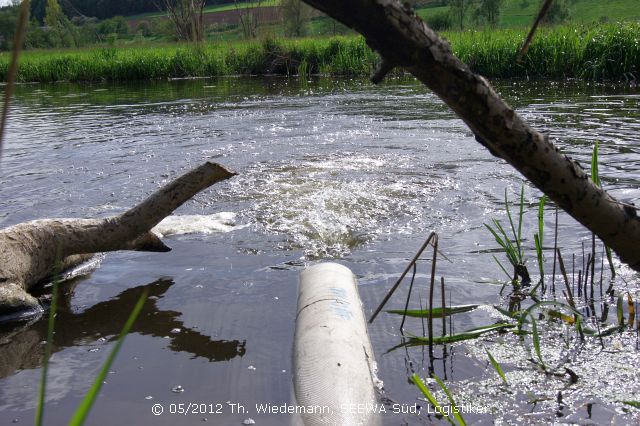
{"type": "Point", "coordinates": [249, 18]}
{"type": "Point", "coordinates": [525, 46]}
{"type": "Point", "coordinates": [187, 17]}
{"type": "Point", "coordinates": [29, 251]}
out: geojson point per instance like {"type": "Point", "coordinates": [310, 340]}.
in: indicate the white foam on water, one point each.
{"type": "Point", "coordinates": [328, 205]}
{"type": "Point", "coordinates": [196, 224]}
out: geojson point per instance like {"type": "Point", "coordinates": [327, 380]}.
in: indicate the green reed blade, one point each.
{"type": "Point", "coordinates": [502, 267]}
{"type": "Point", "coordinates": [595, 177]}
{"type": "Point", "coordinates": [435, 312]}
{"type": "Point", "coordinates": [520, 215]}
{"type": "Point", "coordinates": [465, 335]}
{"type": "Point", "coordinates": [497, 367]}
{"type": "Point", "coordinates": [454, 410]}
{"type": "Point", "coordinates": [536, 340]}
{"type": "Point", "coordinates": [83, 409]}
{"type": "Point", "coordinates": [47, 354]}
{"type": "Point", "coordinates": [429, 396]}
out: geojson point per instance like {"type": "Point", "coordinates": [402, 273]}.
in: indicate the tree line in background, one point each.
{"type": "Point", "coordinates": [74, 23]}
{"type": "Point", "coordinates": [56, 29]}
{"type": "Point", "coordinates": [105, 9]}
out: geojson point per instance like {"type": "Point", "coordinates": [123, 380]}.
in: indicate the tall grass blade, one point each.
{"type": "Point", "coordinates": [610, 260]}
{"type": "Point", "coordinates": [21, 26]}
{"type": "Point", "coordinates": [506, 312]}
{"type": "Point", "coordinates": [47, 354]}
{"type": "Point", "coordinates": [497, 367]}
{"type": "Point", "coordinates": [435, 312]}
{"type": "Point", "coordinates": [534, 326]}
{"type": "Point", "coordinates": [82, 411]}
{"type": "Point", "coordinates": [502, 267]}
{"type": "Point", "coordinates": [505, 243]}
{"type": "Point", "coordinates": [594, 165]}
{"type": "Point", "coordinates": [456, 413]}
{"type": "Point", "coordinates": [620, 310]}
{"type": "Point", "coordinates": [536, 340]}
{"type": "Point", "coordinates": [602, 333]}
{"type": "Point", "coordinates": [538, 243]}
{"type": "Point", "coordinates": [516, 235]}
{"type": "Point", "coordinates": [458, 337]}
{"type": "Point", "coordinates": [429, 396]}
{"type": "Point", "coordinates": [539, 236]}
{"type": "Point", "coordinates": [520, 215]}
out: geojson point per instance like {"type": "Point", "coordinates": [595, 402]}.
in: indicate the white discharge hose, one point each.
{"type": "Point", "coordinates": [333, 363]}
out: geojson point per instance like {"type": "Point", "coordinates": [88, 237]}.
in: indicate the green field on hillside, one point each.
{"type": "Point", "coordinates": [518, 13]}
{"type": "Point", "coordinates": [214, 9]}
{"type": "Point", "coordinates": [514, 14]}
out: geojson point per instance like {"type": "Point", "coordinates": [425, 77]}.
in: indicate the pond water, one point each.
{"type": "Point", "coordinates": [328, 169]}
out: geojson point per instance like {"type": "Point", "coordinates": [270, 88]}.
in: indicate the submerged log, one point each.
{"type": "Point", "coordinates": [32, 251]}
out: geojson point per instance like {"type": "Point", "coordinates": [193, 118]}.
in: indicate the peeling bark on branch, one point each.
{"type": "Point", "coordinates": [403, 39]}
{"type": "Point", "coordinates": [29, 251]}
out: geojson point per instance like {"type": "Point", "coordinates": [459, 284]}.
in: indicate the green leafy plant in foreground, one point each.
{"type": "Point", "coordinates": [497, 367]}
{"type": "Point", "coordinates": [538, 238]}
{"type": "Point", "coordinates": [459, 420]}
{"type": "Point", "coordinates": [458, 337]}
{"type": "Point", "coordinates": [81, 413]}
{"type": "Point", "coordinates": [512, 244]}
{"type": "Point", "coordinates": [435, 312]}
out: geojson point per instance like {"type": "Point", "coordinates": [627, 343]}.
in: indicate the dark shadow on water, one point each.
{"type": "Point", "coordinates": [21, 346]}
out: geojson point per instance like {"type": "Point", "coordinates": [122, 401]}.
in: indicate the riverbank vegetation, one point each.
{"type": "Point", "coordinates": [594, 52]}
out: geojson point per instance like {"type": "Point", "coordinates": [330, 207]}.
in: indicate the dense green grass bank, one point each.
{"type": "Point", "coordinates": [601, 52]}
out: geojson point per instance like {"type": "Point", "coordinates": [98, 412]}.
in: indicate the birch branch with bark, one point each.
{"type": "Point", "coordinates": [30, 251]}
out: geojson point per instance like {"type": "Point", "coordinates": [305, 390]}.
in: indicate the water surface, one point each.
{"type": "Point", "coordinates": [329, 169]}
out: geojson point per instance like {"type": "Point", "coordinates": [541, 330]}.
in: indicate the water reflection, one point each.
{"type": "Point", "coordinates": [21, 348]}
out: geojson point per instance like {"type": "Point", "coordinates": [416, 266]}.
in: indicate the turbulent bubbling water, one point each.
{"type": "Point", "coordinates": [327, 206]}
{"type": "Point", "coordinates": [196, 223]}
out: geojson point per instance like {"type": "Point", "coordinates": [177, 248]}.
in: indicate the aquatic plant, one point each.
{"type": "Point", "coordinates": [433, 312]}
{"type": "Point", "coordinates": [512, 244]}
{"type": "Point", "coordinates": [459, 420]}
{"type": "Point", "coordinates": [497, 367]}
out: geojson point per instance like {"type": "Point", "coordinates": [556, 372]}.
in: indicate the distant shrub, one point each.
{"type": "Point", "coordinates": [440, 21]}
{"type": "Point", "coordinates": [144, 29]}
{"type": "Point", "coordinates": [558, 12]}
{"type": "Point", "coordinates": [116, 25]}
